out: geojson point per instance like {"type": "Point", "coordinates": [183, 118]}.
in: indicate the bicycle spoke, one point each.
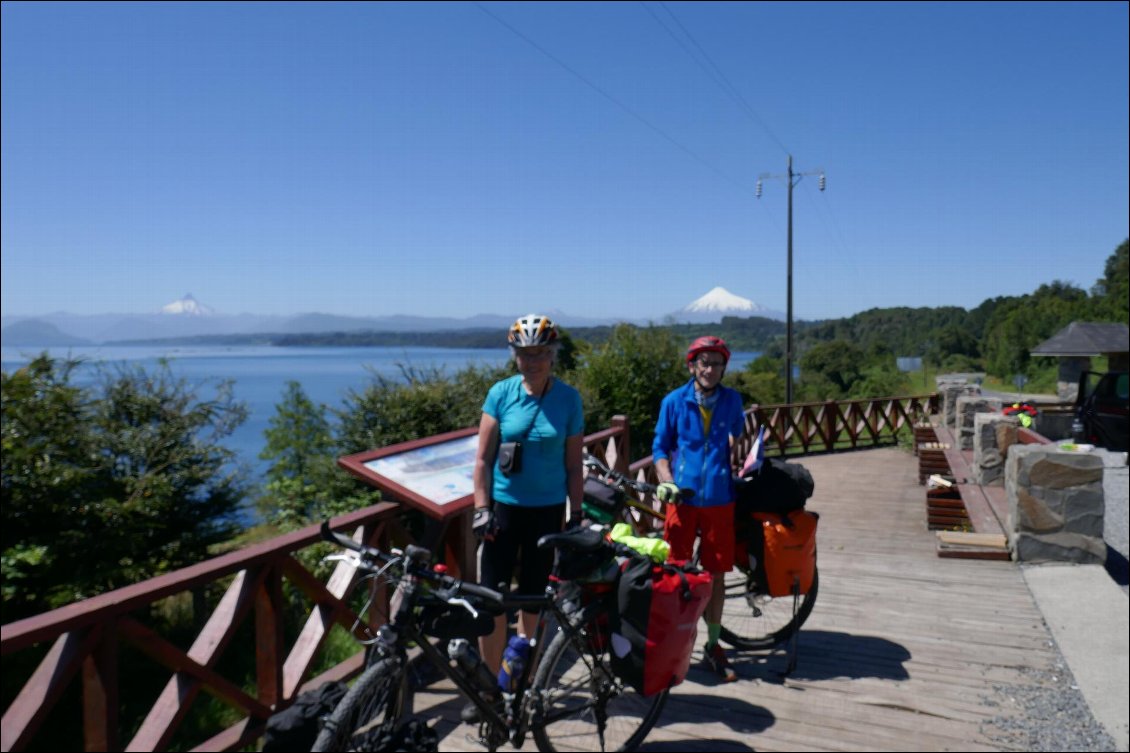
{"type": "Point", "coordinates": [585, 707]}
{"type": "Point", "coordinates": [754, 620]}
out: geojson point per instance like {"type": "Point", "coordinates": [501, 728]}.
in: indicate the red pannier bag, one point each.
{"type": "Point", "coordinates": [789, 550]}
{"type": "Point", "coordinates": [659, 607]}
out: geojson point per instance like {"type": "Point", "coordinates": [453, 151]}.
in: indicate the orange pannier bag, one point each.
{"type": "Point", "coordinates": [790, 550]}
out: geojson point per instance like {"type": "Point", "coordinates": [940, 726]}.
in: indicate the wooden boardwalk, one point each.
{"type": "Point", "coordinates": [904, 651]}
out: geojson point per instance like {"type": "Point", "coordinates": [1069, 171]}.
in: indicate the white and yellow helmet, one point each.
{"type": "Point", "coordinates": [532, 329]}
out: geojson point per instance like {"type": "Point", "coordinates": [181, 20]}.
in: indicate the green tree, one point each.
{"type": "Point", "coordinates": [129, 472]}
{"type": "Point", "coordinates": [1112, 290]}
{"type": "Point", "coordinates": [424, 403]}
{"type": "Point", "coordinates": [1019, 324]}
{"type": "Point", "coordinates": [881, 379]}
{"type": "Point", "coordinates": [629, 374]}
{"type": "Point", "coordinates": [762, 381]}
{"type": "Point", "coordinates": [839, 362]}
{"type": "Point", "coordinates": [304, 483]}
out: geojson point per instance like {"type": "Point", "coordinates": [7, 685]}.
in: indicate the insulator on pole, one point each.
{"type": "Point", "coordinates": [822, 181]}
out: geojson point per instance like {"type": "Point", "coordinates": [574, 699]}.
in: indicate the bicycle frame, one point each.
{"type": "Point", "coordinates": [536, 702]}
{"type": "Point", "coordinates": [517, 711]}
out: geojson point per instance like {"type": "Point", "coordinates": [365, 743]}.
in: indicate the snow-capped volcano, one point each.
{"type": "Point", "coordinates": [187, 306]}
{"type": "Point", "coordinates": [720, 302]}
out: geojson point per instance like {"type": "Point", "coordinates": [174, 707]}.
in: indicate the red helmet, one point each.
{"type": "Point", "coordinates": [708, 343]}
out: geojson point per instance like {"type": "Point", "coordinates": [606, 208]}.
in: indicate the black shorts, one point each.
{"type": "Point", "coordinates": [516, 542]}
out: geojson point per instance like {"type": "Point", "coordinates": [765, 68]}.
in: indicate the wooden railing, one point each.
{"type": "Point", "coordinates": [82, 643]}
{"type": "Point", "coordinates": [89, 634]}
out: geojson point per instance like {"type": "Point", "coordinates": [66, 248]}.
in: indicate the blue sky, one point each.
{"type": "Point", "coordinates": [595, 158]}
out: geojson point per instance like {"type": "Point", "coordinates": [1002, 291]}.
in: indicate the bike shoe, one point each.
{"type": "Point", "coordinates": [715, 658]}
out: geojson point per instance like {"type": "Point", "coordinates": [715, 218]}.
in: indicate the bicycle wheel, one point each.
{"type": "Point", "coordinates": [381, 696]}
{"type": "Point", "coordinates": [755, 621]}
{"type": "Point", "coordinates": [585, 706]}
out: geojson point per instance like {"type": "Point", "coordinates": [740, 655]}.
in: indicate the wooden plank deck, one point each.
{"type": "Point", "coordinates": [986, 506]}
{"type": "Point", "coordinates": [902, 651]}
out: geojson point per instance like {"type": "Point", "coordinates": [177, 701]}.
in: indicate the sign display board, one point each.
{"type": "Point", "coordinates": [432, 474]}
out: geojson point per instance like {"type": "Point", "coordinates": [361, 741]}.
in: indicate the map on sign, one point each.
{"type": "Point", "coordinates": [439, 472]}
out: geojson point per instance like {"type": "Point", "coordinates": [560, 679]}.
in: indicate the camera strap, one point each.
{"type": "Point", "coordinates": [537, 412]}
{"type": "Point", "coordinates": [530, 428]}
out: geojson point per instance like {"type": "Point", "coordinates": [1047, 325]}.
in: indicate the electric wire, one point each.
{"type": "Point", "coordinates": [599, 90]}
{"type": "Point", "coordinates": [718, 76]}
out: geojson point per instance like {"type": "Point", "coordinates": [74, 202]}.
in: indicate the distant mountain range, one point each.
{"type": "Point", "coordinates": [187, 317]}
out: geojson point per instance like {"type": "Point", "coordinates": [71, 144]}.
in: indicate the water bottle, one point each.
{"type": "Point", "coordinates": [471, 663]}
{"type": "Point", "coordinates": [513, 662]}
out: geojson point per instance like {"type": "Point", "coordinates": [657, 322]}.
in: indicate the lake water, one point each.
{"type": "Point", "coordinates": [260, 373]}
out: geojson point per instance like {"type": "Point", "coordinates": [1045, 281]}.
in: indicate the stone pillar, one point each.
{"type": "Point", "coordinates": [1067, 380]}
{"type": "Point", "coordinates": [993, 434]}
{"type": "Point", "coordinates": [951, 391]}
{"type": "Point", "coordinates": [969, 406]}
{"type": "Point", "coordinates": [1055, 505]}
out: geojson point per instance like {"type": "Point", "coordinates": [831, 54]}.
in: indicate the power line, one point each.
{"type": "Point", "coordinates": [595, 87]}
{"type": "Point", "coordinates": [725, 83]}
{"type": "Point", "coordinates": [791, 179]}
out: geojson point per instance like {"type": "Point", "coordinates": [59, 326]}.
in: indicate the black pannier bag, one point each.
{"type": "Point", "coordinates": [602, 502]}
{"type": "Point", "coordinates": [296, 726]}
{"type": "Point", "coordinates": [777, 487]}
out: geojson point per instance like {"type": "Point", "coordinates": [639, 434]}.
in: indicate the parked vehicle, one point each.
{"type": "Point", "coordinates": [1102, 410]}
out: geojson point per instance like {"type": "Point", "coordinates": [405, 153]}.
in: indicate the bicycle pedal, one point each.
{"type": "Point", "coordinates": [481, 741]}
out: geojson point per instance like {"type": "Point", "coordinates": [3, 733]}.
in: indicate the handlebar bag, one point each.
{"type": "Point", "coordinates": [782, 551]}
{"type": "Point", "coordinates": [657, 622]}
{"type": "Point", "coordinates": [601, 502]}
{"type": "Point", "coordinates": [439, 619]}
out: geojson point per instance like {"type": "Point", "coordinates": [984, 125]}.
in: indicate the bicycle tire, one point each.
{"type": "Point", "coordinates": [574, 692]}
{"type": "Point", "coordinates": [768, 621]}
{"type": "Point", "coordinates": [381, 694]}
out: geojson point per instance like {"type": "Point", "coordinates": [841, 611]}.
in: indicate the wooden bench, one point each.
{"type": "Point", "coordinates": [985, 506]}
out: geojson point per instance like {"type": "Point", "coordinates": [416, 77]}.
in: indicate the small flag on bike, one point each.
{"type": "Point", "coordinates": [756, 454]}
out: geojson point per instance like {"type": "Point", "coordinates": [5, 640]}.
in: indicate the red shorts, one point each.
{"type": "Point", "coordinates": [715, 524]}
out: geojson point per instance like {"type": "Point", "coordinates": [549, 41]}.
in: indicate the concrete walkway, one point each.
{"type": "Point", "coordinates": [1089, 616]}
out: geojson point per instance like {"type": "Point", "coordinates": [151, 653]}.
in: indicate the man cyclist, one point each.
{"type": "Point", "coordinates": [698, 424]}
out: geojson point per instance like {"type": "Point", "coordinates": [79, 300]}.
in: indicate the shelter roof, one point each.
{"type": "Point", "coordinates": [1086, 339]}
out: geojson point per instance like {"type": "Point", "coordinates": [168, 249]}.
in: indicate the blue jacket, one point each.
{"type": "Point", "coordinates": [697, 462]}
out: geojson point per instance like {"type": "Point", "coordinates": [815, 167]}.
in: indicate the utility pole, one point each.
{"type": "Point", "coordinates": [791, 179]}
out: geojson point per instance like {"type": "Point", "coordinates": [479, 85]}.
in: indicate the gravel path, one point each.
{"type": "Point", "coordinates": [1051, 713]}
{"type": "Point", "coordinates": [1048, 715]}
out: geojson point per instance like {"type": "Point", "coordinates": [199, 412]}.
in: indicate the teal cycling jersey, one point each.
{"type": "Point", "coordinates": [542, 480]}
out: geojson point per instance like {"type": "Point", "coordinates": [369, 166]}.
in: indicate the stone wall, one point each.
{"type": "Point", "coordinates": [950, 392]}
{"type": "Point", "coordinates": [1055, 505]}
{"type": "Point", "coordinates": [1067, 380]}
{"type": "Point", "coordinates": [966, 408]}
{"type": "Point", "coordinates": [993, 434]}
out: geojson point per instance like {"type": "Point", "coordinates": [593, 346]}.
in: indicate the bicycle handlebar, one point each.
{"type": "Point", "coordinates": [622, 480]}
{"type": "Point", "coordinates": [416, 559]}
